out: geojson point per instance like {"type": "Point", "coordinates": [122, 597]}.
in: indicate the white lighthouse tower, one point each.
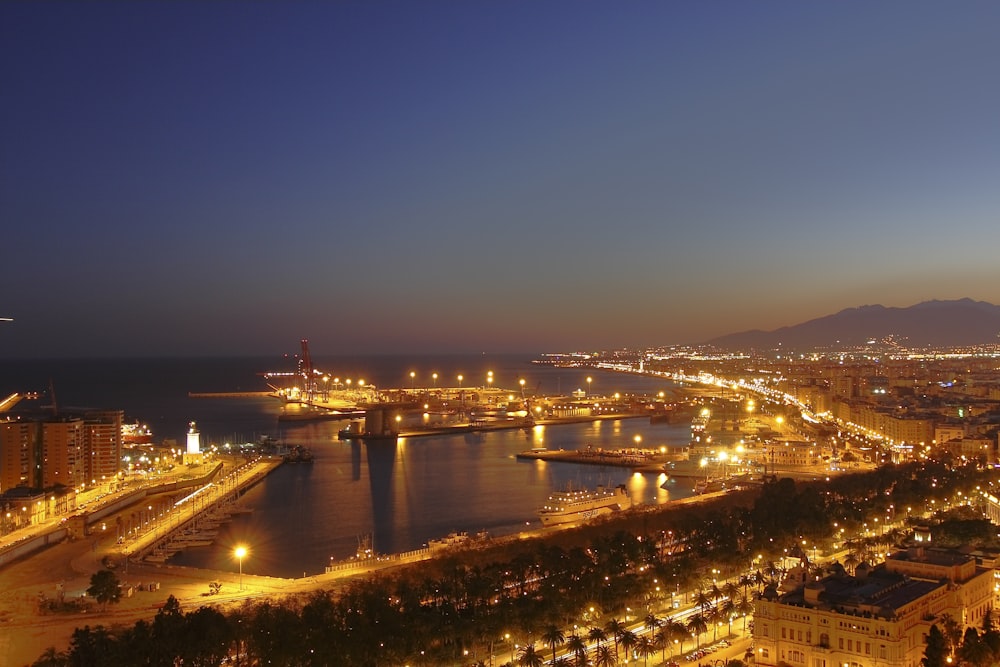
{"type": "Point", "coordinates": [193, 452]}
{"type": "Point", "coordinates": [193, 439]}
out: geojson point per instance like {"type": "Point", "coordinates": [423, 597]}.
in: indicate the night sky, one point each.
{"type": "Point", "coordinates": [215, 178]}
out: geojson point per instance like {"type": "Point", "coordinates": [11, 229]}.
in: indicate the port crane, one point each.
{"type": "Point", "coordinates": [306, 370]}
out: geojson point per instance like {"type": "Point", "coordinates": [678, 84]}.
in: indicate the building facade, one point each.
{"type": "Point", "coordinates": [878, 617]}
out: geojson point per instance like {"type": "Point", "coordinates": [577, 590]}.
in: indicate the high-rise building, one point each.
{"type": "Point", "coordinates": [63, 447]}
{"type": "Point", "coordinates": [20, 454]}
{"type": "Point", "coordinates": [103, 438]}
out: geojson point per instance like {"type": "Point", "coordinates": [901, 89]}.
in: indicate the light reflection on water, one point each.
{"type": "Point", "coordinates": [405, 493]}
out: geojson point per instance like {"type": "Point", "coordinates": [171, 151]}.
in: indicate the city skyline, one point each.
{"type": "Point", "coordinates": [189, 179]}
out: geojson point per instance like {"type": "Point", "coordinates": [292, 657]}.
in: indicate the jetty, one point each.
{"type": "Point", "coordinates": [634, 458]}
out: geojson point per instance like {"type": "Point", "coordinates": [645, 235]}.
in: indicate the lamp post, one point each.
{"type": "Point", "coordinates": [434, 376]}
{"type": "Point", "coordinates": [413, 376]}
{"type": "Point", "coordinates": [589, 381]}
{"type": "Point", "coordinates": [240, 552]}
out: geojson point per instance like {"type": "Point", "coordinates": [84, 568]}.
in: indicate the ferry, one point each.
{"type": "Point", "coordinates": [571, 506]}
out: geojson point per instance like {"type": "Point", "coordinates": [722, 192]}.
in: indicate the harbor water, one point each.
{"type": "Point", "coordinates": [399, 494]}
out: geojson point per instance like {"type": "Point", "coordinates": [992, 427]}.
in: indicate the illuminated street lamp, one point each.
{"type": "Point", "coordinates": [413, 375]}
{"type": "Point", "coordinates": [589, 381]}
{"type": "Point", "coordinates": [240, 552]}
{"type": "Point", "coordinates": [434, 376]}
{"type": "Point", "coordinates": [460, 378]}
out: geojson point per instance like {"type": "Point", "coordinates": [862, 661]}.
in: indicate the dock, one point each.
{"type": "Point", "coordinates": [635, 459]}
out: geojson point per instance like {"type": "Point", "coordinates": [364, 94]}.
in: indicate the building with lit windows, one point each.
{"type": "Point", "coordinates": [63, 452]}
{"type": "Point", "coordinates": [20, 446]}
{"type": "Point", "coordinates": [103, 438]}
{"type": "Point", "coordinates": [70, 450]}
{"type": "Point", "coordinates": [879, 617]}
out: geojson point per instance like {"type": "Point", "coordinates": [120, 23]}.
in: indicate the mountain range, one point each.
{"type": "Point", "coordinates": [938, 324]}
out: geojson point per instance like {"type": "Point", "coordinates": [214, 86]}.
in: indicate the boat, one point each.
{"type": "Point", "coordinates": [452, 540]}
{"type": "Point", "coordinates": [730, 483]}
{"type": "Point", "coordinates": [298, 454]}
{"type": "Point", "coordinates": [571, 506]}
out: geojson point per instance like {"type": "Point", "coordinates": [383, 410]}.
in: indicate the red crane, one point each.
{"type": "Point", "coordinates": [306, 369]}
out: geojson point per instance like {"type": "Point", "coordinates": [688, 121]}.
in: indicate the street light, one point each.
{"type": "Point", "coordinates": [434, 376]}
{"type": "Point", "coordinates": [589, 380]}
{"type": "Point", "coordinates": [413, 375]}
{"type": "Point", "coordinates": [240, 552]}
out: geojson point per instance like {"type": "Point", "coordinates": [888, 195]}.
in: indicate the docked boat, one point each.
{"type": "Point", "coordinates": [717, 484]}
{"type": "Point", "coordinates": [571, 506]}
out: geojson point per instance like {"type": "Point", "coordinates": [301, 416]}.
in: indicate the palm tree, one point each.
{"type": "Point", "coordinates": [678, 631]}
{"type": "Point", "coordinates": [731, 590]}
{"type": "Point", "coordinates": [577, 646]}
{"type": "Point", "coordinates": [663, 640]}
{"type": "Point", "coordinates": [597, 635]}
{"type": "Point", "coordinates": [744, 607]}
{"type": "Point", "coordinates": [851, 561]}
{"type": "Point", "coordinates": [527, 656]}
{"type": "Point", "coordinates": [603, 656]}
{"type": "Point", "coordinates": [728, 610]}
{"type": "Point", "coordinates": [714, 617]}
{"type": "Point", "coordinates": [715, 592]}
{"type": "Point", "coordinates": [697, 625]}
{"type": "Point", "coordinates": [628, 641]}
{"type": "Point", "coordinates": [562, 662]}
{"type": "Point", "coordinates": [703, 600]}
{"type": "Point", "coordinates": [645, 647]}
{"type": "Point", "coordinates": [652, 623]}
{"type": "Point", "coordinates": [553, 636]}
{"type": "Point", "coordinates": [615, 628]}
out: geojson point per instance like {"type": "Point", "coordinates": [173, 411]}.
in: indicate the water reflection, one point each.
{"type": "Point", "coordinates": [381, 456]}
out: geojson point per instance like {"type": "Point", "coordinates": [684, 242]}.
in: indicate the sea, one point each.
{"type": "Point", "coordinates": [394, 496]}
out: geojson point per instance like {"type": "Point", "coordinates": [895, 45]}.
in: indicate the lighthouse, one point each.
{"type": "Point", "coordinates": [193, 453]}
{"type": "Point", "coordinates": [193, 439]}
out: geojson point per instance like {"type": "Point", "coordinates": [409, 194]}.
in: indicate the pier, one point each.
{"type": "Point", "coordinates": [192, 518]}
{"type": "Point", "coordinates": [635, 459]}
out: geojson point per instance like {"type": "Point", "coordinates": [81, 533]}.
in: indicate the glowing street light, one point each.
{"type": "Point", "coordinates": [413, 376]}
{"type": "Point", "coordinates": [589, 380]}
{"type": "Point", "coordinates": [240, 552]}
{"type": "Point", "coordinates": [434, 376]}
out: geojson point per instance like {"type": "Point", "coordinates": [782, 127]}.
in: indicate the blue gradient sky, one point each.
{"type": "Point", "coordinates": [226, 178]}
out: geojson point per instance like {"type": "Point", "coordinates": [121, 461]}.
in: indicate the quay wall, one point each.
{"type": "Point", "coordinates": [232, 394]}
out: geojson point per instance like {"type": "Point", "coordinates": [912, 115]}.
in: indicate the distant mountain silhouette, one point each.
{"type": "Point", "coordinates": [931, 323]}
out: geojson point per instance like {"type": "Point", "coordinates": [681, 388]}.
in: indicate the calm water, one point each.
{"type": "Point", "coordinates": [402, 494]}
